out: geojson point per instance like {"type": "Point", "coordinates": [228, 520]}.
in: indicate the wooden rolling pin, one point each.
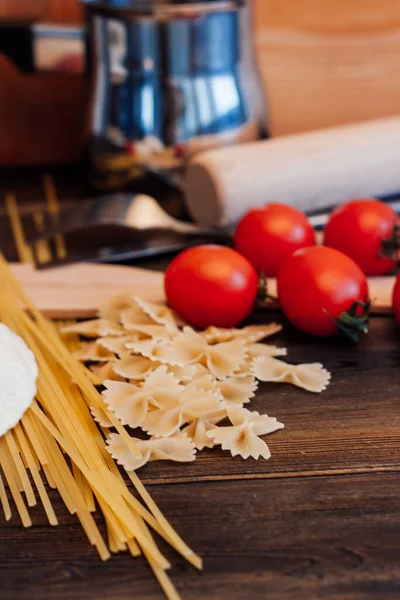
{"type": "Point", "coordinates": [310, 171]}
{"type": "Point", "coordinates": [77, 291]}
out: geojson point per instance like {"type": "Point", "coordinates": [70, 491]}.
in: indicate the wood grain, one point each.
{"type": "Point", "coordinates": [318, 540]}
{"type": "Point", "coordinates": [319, 521]}
{"type": "Point", "coordinates": [328, 63]}
{"type": "Point", "coordinates": [79, 290]}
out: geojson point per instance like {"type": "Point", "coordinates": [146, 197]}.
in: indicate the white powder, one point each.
{"type": "Point", "coordinates": [18, 374]}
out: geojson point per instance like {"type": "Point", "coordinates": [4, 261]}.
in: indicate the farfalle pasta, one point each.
{"type": "Point", "coordinates": [134, 368]}
{"type": "Point", "coordinates": [238, 390]}
{"type": "Point", "coordinates": [154, 332]}
{"type": "Point", "coordinates": [178, 447]}
{"type": "Point", "coordinates": [156, 351]}
{"type": "Point", "coordinates": [185, 390]}
{"type": "Point", "coordinates": [242, 436]}
{"type": "Point", "coordinates": [198, 429]}
{"type": "Point", "coordinates": [100, 416]}
{"type": "Point", "coordinates": [115, 306]}
{"type": "Point", "coordinates": [254, 350]}
{"type": "Point", "coordinates": [94, 328]}
{"type": "Point", "coordinates": [312, 377]}
{"type": "Point", "coordinates": [250, 334]}
{"type": "Point", "coordinates": [117, 345]}
{"type": "Point", "coordinates": [158, 313]}
{"type": "Point", "coordinates": [221, 359]}
{"type": "Point", "coordinates": [106, 370]}
{"type": "Point", "coordinates": [193, 404]}
{"type": "Point", "coordinates": [93, 352]}
{"type": "Point", "coordinates": [132, 404]}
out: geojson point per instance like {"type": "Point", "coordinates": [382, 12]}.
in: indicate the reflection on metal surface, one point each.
{"type": "Point", "coordinates": [165, 89]}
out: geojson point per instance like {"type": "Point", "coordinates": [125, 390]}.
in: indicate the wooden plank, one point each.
{"type": "Point", "coordinates": [79, 290]}
{"type": "Point", "coordinates": [315, 539]}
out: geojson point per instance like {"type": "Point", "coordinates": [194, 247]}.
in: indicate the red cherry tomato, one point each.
{"type": "Point", "coordinates": [317, 287]}
{"type": "Point", "coordinates": [396, 299]}
{"type": "Point", "coordinates": [211, 285]}
{"type": "Point", "coordinates": [267, 236]}
{"type": "Point", "coordinates": [357, 229]}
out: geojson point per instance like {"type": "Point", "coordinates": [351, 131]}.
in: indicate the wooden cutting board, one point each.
{"type": "Point", "coordinates": [77, 291]}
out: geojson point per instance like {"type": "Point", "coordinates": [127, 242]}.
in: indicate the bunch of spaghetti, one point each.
{"type": "Point", "coordinates": [57, 440]}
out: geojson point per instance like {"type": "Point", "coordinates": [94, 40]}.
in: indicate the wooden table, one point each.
{"type": "Point", "coordinates": [320, 520]}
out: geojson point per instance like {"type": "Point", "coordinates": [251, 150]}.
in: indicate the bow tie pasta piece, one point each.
{"type": "Point", "coordinates": [183, 374]}
{"type": "Point", "coordinates": [134, 316]}
{"type": "Point", "coordinates": [192, 405]}
{"type": "Point", "coordinates": [205, 383]}
{"type": "Point", "coordinates": [99, 415]}
{"type": "Point", "coordinates": [93, 352]}
{"type": "Point", "coordinates": [155, 332]}
{"type": "Point", "coordinates": [137, 368]}
{"type": "Point", "coordinates": [18, 375]}
{"type": "Point", "coordinates": [156, 351]}
{"type": "Point", "coordinates": [254, 350]}
{"type": "Point", "coordinates": [131, 404]}
{"type": "Point", "coordinates": [134, 367]}
{"type": "Point", "coordinates": [312, 377]}
{"type": "Point", "coordinates": [251, 333]}
{"type": "Point", "coordinates": [178, 448]}
{"type": "Point", "coordinates": [94, 328]}
{"type": "Point", "coordinates": [242, 437]}
{"type": "Point", "coordinates": [163, 382]}
{"type": "Point", "coordinates": [106, 371]}
{"type": "Point", "coordinates": [199, 371]}
{"type": "Point", "coordinates": [197, 430]}
{"type": "Point", "coordinates": [260, 424]}
{"type": "Point", "coordinates": [117, 345]}
{"type": "Point", "coordinates": [238, 390]}
{"type": "Point", "coordinates": [158, 313]}
{"type": "Point", "coordinates": [214, 335]}
{"type": "Point", "coordinates": [189, 346]}
{"type": "Point", "coordinates": [115, 306]}
{"type": "Point", "coordinates": [222, 359]}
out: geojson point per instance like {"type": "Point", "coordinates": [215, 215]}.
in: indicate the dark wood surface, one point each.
{"type": "Point", "coordinates": [320, 520]}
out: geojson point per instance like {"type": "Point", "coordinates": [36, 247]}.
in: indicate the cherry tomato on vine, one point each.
{"type": "Point", "coordinates": [322, 291]}
{"type": "Point", "coordinates": [364, 230]}
{"type": "Point", "coordinates": [267, 236]}
{"type": "Point", "coordinates": [211, 285]}
{"type": "Point", "coordinates": [396, 299]}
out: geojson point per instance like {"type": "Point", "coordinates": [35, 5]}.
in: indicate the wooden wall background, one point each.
{"type": "Point", "coordinates": [323, 62]}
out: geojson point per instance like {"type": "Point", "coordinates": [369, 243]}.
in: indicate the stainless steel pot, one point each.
{"type": "Point", "coordinates": [169, 78]}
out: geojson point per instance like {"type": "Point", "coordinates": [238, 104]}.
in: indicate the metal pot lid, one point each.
{"type": "Point", "coordinates": [151, 7]}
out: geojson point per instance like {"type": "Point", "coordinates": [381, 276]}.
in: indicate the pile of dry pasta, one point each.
{"type": "Point", "coordinates": [58, 442]}
{"type": "Point", "coordinates": [181, 390]}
